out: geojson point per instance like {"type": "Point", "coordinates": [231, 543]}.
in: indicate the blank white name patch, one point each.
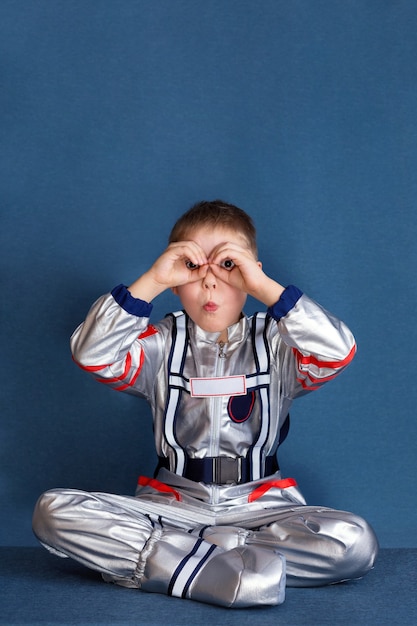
{"type": "Point", "coordinates": [221, 386]}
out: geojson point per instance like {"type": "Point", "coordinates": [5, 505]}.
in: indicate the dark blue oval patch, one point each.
{"type": "Point", "coordinates": [240, 407]}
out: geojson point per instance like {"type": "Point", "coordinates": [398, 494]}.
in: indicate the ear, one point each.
{"type": "Point", "coordinates": [259, 264]}
{"type": "Point", "coordinates": [174, 290]}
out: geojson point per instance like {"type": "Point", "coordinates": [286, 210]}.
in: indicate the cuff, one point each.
{"type": "Point", "coordinates": [131, 305]}
{"type": "Point", "coordinates": [287, 301]}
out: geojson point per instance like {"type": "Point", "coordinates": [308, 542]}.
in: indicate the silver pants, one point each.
{"type": "Point", "coordinates": [235, 553]}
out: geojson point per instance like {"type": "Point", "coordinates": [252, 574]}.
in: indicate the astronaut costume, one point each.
{"type": "Point", "coordinates": [218, 523]}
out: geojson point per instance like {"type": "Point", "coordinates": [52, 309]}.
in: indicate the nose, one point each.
{"type": "Point", "coordinates": [209, 280]}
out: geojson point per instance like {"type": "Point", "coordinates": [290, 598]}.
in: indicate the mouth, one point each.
{"type": "Point", "coordinates": [210, 307]}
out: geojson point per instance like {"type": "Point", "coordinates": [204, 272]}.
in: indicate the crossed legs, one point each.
{"type": "Point", "coordinates": [225, 565]}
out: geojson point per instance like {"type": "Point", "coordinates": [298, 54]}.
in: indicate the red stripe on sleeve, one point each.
{"type": "Point", "coordinates": [312, 360]}
{"type": "Point", "coordinates": [126, 371]}
{"type": "Point", "coordinates": [135, 375]}
{"type": "Point", "coordinates": [151, 330]}
{"type": "Point", "coordinates": [90, 368]}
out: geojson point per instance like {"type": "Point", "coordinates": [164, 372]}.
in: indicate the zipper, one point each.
{"type": "Point", "coordinates": [216, 407]}
{"type": "Point", "coordinates": [216, 403]}
{"type": "Point", "coordinates": [222, 354]}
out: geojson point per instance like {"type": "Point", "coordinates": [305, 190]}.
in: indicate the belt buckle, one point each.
{"type": "Point", "coordinates": [226, 470]}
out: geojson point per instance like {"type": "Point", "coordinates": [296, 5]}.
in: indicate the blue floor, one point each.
{"type": "Point", "coordinates": [38, 588]}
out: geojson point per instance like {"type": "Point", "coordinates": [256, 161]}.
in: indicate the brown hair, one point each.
{"type": "Point", "coordinates": [215, 213]}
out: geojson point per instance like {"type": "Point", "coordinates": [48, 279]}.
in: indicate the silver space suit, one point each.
{"type": "Point", "coordinates": [218, 523]}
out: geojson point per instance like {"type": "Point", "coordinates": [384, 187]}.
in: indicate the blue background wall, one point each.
{"type": "Point", "coordinates": [116, 116]}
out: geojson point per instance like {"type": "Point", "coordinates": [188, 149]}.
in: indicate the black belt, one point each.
{"type": "Point", "coordinates": [221, 470]}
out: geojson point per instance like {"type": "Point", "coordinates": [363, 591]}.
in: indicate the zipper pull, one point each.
{"type": "Point", "coordinates": [222, 354]}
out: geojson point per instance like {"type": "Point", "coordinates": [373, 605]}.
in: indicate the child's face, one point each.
{"type": "Point", "coordinates": [211, 303]}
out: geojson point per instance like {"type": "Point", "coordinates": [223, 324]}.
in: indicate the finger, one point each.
{"type": "Point", "coordinates": [230, 251]}
{"type": "Point", "coordinates": [189, 250]}
{"type": "Point", "coordinates": [233, 278]}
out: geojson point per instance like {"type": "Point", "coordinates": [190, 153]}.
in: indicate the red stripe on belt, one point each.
{"type": "Point", "coordinates": [144, 481]}
{"type": "Point", "coordinates": [284, 483]}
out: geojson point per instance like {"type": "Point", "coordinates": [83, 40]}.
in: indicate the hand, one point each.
{"type": "Point", "coordinates": [182, 262]}
{"type": "Point", "coordinates": [238, 267]}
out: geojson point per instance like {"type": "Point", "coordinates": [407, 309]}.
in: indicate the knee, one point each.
{"type": "Point", "coordinates": [359, 548]}
{"type": "Point", "coordinates": [45, 516]}
{"type": "Point", "coordinates": [328, 547]}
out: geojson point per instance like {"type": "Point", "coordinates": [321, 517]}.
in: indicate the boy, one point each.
{"type": "Point", "coordinates": [218, 523]}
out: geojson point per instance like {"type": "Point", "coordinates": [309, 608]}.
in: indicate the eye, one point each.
{"type": "Point", "coordinates": [191, 265]}
{"type": "Point", "coordinates": [227, 264]}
